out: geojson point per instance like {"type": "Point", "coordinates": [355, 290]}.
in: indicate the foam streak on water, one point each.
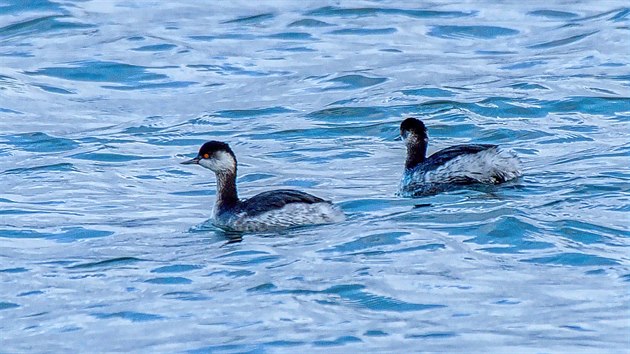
{"type": "Point", "coordinates": [103, 240]}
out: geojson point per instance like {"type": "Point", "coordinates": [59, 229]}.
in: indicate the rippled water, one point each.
{"type": "Point", "coordinates": [103, 233]}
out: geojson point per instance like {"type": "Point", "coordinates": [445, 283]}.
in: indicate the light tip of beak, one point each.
{"type": "Point", "coordinates": [190, 162]}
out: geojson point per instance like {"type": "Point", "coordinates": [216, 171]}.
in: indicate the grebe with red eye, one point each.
{"type": "Point", "coordinates": [267, 211]}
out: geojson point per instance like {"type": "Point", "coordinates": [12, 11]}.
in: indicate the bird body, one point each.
{"type": "Point", "coordinates": [267, 211]}
{"type": "Point", "coordinates": [453, 167]}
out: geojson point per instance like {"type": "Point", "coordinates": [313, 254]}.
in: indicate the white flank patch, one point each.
{"type": "Point", "coordinates": [290, 215]}
{"type": "Point", "coordinates": [490, 166]}
{"type": "Point", "coordinates": [485, 167]}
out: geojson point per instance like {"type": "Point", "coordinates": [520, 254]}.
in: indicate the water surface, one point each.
{"type": "Point", "coordinates": [104, 240]}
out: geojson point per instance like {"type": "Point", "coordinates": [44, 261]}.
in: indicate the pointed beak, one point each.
{"type": "Point", "coordinates": [398, 138]}
{"type": "Point", "coordinates": [194, 161]}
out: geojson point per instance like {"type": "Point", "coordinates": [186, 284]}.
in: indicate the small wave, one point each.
{"type": "Point", "coordinates": [129, 315]}
{"type": "Point", "coordinates": [573, 259]}
{"type": "Point", "coordinates": [39, 142]}
{"type": "Point", "coordinates": [561, 42]}
{"type": "Point", "coordinates": [309, 22]}
{"type": "Point", "coordinates": [246, 113]}
{"type": "Point", "coordinates": [108, 157]}
{"type": "Point", "coordinates": [66, 235]}
{"type": "Point", "coordinates": [428, 92]}
{"type": "Point", "coordinates": [462, 32]}
{"type": "Point", "coordinates": [176, 268]}
{"type": "Point", "coordinates": [129, 77]}
{"type": "Point", "coordinates": [57, 167]}
{"type": "Point", "coordinates": [169, 281]}
{"type": "Point", "coordinates": [292, 36]}
{"type": "Point", "coordinates": [363, 31]}
{"type": "Point", "coordinates": [155, 48]}
{"type": "Point", "coordinates": [249, 20]}
{"type": "Point", "coordinates": [8, 305]}
{"type": "Point", "coordinates": [351, 82]}
{"type": "Point", "coordinates": [107, 264]}
{"type": "Point", "coordinates": [39, 26]}
{"type": "Point", "coordinates": [553, 14]}
{"type": "Point", "coordinates": [372, 11]}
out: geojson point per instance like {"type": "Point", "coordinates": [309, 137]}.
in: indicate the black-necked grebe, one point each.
{"type": "Point", "coordinates": [266, 211]}
{"type": "Point", "coordinates": [452, 167]}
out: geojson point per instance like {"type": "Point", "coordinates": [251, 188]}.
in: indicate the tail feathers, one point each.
{"type": "Point", "coordinates": [507, 166]}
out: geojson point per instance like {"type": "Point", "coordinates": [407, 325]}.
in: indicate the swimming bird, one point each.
{"type": "Point", "coordinates": [454, 167]}
{"type": "Point", "coordinates": [267, 211]}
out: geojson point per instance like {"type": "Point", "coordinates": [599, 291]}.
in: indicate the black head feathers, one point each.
{"type": "Point", "coordinates": [208, 149]}
{"type": "Point", "coordinates": [413, 126]}
{"type": "Point", "coordinates": [414, 132]}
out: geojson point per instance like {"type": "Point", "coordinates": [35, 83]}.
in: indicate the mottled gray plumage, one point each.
{"type": "Point", "coordinates": [276, 199]}
{"type": "Point", "coordinates": [452, 167]}
{"type": "Point", "coordinates": [441, 157]}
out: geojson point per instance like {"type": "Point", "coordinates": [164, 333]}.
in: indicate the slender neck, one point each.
{"type": "Point", "coordinates": [226, 189]}
{"type": "Point", "coordinates": [416, 150]}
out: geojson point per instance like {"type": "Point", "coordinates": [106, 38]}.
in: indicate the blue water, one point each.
{"type": "Point", "coordinates": [104, 240]}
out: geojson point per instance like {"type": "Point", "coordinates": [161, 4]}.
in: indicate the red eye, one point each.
{"type": "Point", "coordinates": [205, 156]}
